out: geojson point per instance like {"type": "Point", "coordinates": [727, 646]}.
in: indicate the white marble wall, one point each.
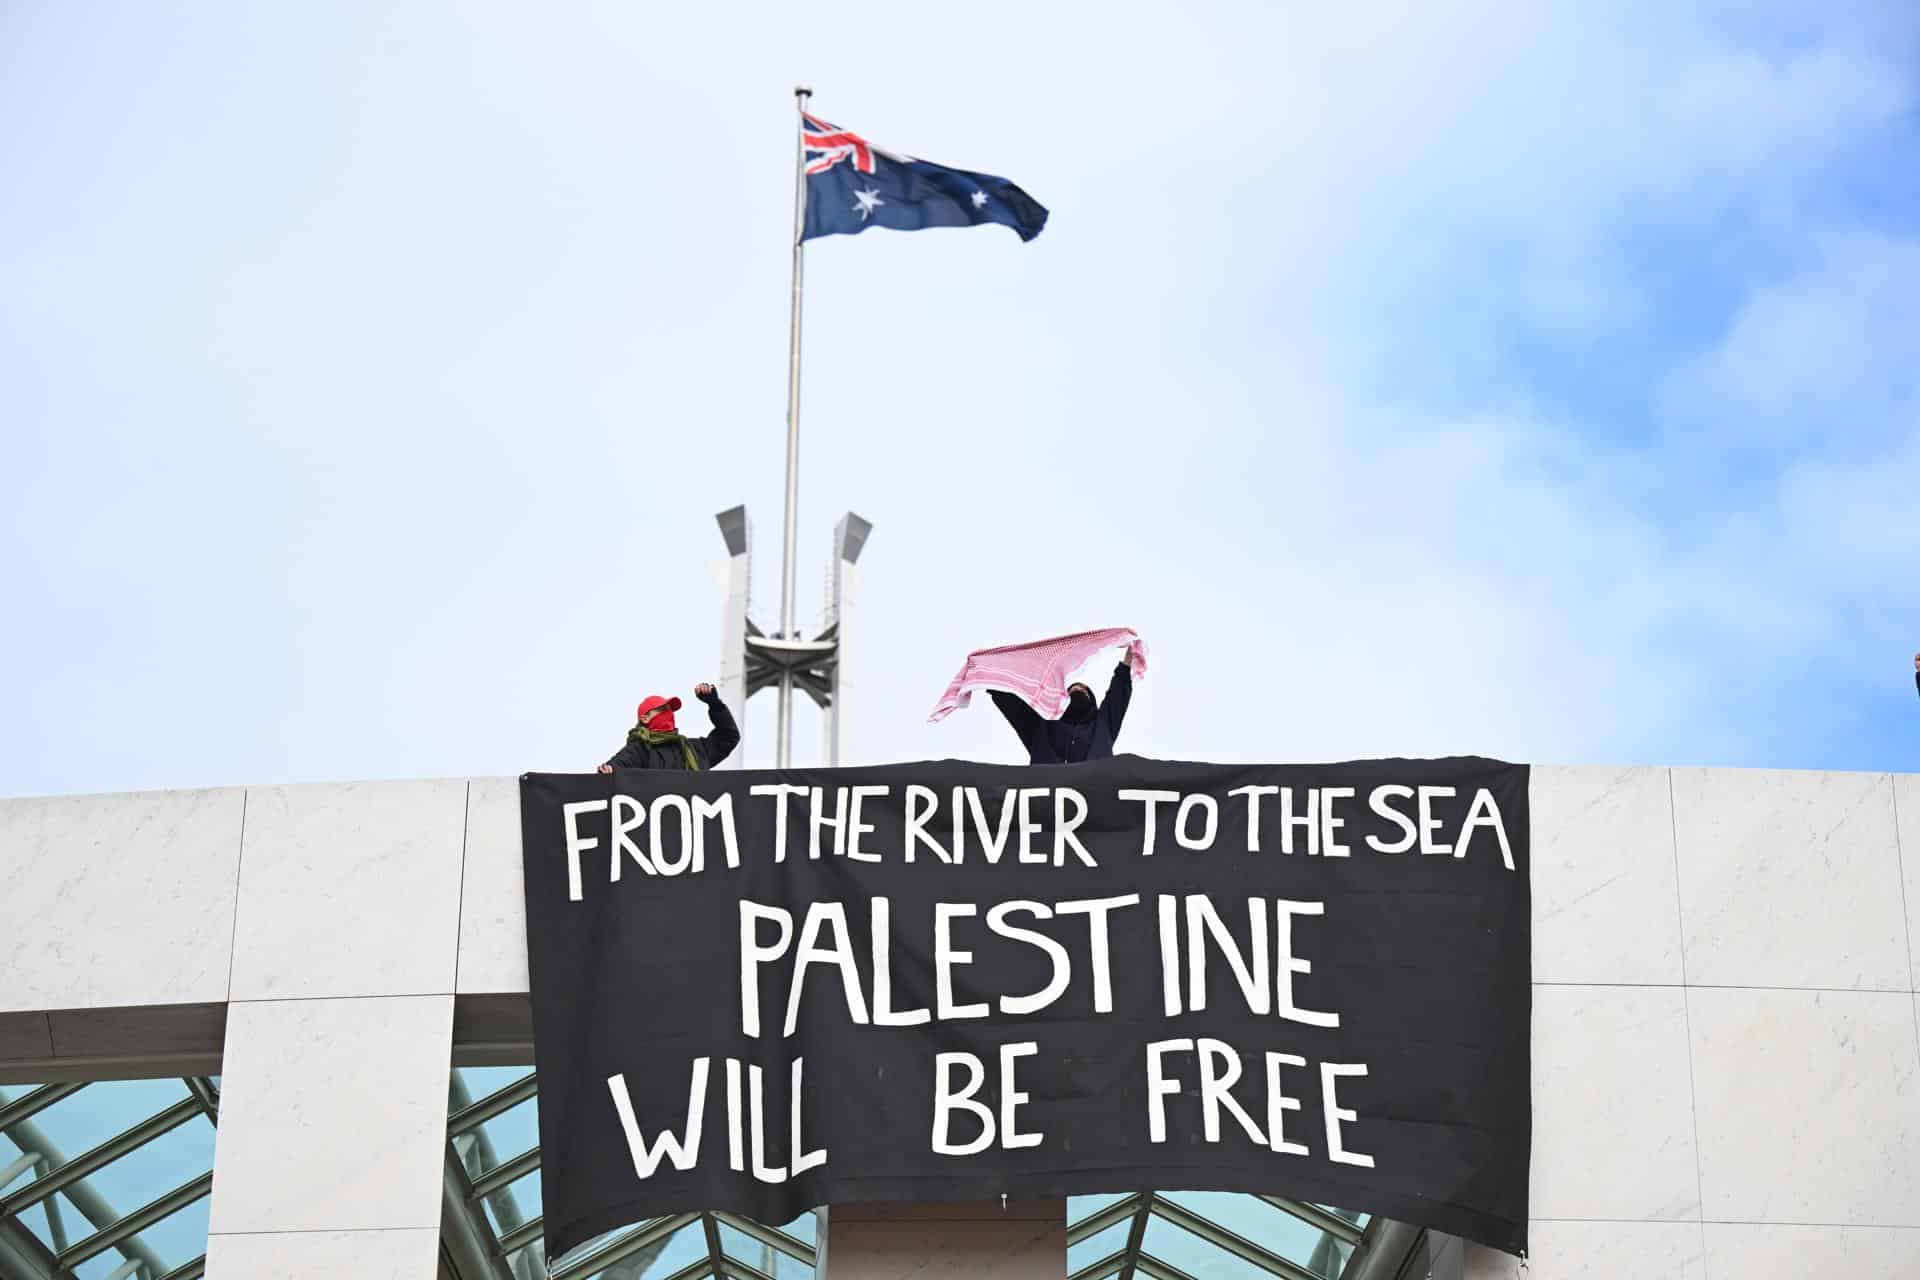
{"type": "Point", "coordinates": [333, 1122]}
{"type": "Point", "coordinates": [1726, 1051]}
{"type": "Point", "coordinates": [1726, 1057]}
{"type": "Point", "coordinates": [327, 1255]}
{"type": "Point", "coordinates": [118, 900]}
{"type": "Point", "coordinates": [334, 1097]}
{"type": "Point", "coordinates": [321, 924]}
{"type": "Point", "coordinates": [350, 890]}
{"type": "Point", "coordinates": [493, 901]}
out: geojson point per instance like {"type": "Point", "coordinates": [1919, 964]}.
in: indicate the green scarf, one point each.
{"type": "Point", "coordinates": [640, 733]}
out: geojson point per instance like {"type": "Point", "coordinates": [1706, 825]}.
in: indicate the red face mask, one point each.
{"type": "Point", "coordinates": [661, 709]}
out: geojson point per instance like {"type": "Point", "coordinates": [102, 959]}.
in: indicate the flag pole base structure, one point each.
{"type": "Point", "coordinates": [752, 659]}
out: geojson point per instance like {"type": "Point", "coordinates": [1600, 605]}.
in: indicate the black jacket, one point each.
{"type": "Point", "coordinates": [1061, 742]}
{"type": "Point", "coordinates": [709, 751]}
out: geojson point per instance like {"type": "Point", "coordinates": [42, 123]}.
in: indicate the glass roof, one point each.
{"type": "Point", "coordinates": [1171, 1235]}
{"type": "Point", "coordinates": [107, 1180]}
{"type": "Point", "coordinates": [493, 1141]}
{"type": "Point", "coordinates": [110, 1181]}
{"type": "Point", "coordinates": [493, 1147]}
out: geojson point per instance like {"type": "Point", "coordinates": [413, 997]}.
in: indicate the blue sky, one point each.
{"type": "Point", "coordinates": [1540, 381]}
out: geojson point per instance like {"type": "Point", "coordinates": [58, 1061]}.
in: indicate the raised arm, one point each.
{"type": "Point", "coordinates": [1025, 720]}
{"type": "Point", "coordinates": [1119, 694]}
{"type": "Point", "coordinates": [726, 734]}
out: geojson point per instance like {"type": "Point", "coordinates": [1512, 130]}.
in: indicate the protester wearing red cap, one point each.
{"type": "Point", "coordinates": [654, 742]}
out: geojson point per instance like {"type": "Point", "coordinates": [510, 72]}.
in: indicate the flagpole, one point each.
{"type": "Point", "coordinates": [783, 746]}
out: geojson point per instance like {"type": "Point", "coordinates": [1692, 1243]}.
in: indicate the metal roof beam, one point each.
{"type": "Point", "coordinates": [716, 1256]}
{"type": "Point", "coordinates": [1135, 1234]}
{"type": "Point", "coordinates": [1094, 1223]}
{"type": "Point", "coordinates": [22, 1256]}
{"type": "Point", "coordinates": [30, 1105]}
{"type": "Point", "coordinates": [1333, 1224]}
{"type": "Point", "coordinates": [104, 1154]}
{"type": "Point", "coordinates": [509, 1172]}
{"type": "Point", "coordinates": [466, 1241]}
{"type": "Point", "coordinates": [1105, 1267]}
{"type": "Point", "coordinates": [137, 1221]}
{"type": "Point", "coordinates": [1383, 1251]}
{"type": "Point", "coordinates": [496, 1103]}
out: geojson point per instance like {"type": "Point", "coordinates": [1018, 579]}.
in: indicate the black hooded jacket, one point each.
{"type": "Point", "coordinates": [1065, 741]}
{"type": "Point", "coordinates": [709, 751]}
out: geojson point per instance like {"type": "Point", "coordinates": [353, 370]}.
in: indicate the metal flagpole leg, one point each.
{"type": "Point", "coordinates": [783, 745]}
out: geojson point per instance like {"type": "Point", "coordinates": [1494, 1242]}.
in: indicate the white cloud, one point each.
{"type": "Point", "coordinates": [1827, 359]}
{"type": "Point", "coordinates": [446, 388]}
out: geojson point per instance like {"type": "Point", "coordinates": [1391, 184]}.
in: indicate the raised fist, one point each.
{"type": "Point", "coordinates": [706, 690]}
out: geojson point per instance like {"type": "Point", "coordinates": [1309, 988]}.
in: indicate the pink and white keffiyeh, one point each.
{"type": "Point", "coordinates": [1037, 672]}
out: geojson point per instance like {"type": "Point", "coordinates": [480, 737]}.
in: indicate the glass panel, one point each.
{"type": "Point", "coordinates": [500, 1139]}
{"type": "Point", "coordinates": [148, 1172]}
{"type": "Point", "coordinates": [1181, 1249]}
{"type": "Point", "coordinates": [597, 1243]}
{"type": "Point", "coordinates": [529, 1263]}
{"type": "Point", "coordinates": [1078, 1207]}
{"type": "Point", "coordinates": [480, 1082]}
{"type": "Point", "coordinates": [683, 1248]}
{"type": "Point", "coordinates": [57, 1221]}
{"type": "Point", "coordinates": [10, 1153]}
{"type": "Point", "coordinates": [505, 1137]}
{"type": "Point", "coordinates": [514, 1204]}
{"type": "Point", "coordinates": [765, 1258]}
{"type": "Point", "coordinates": [178, 1238]}
{"type": "Point", "coordinates": [100, 1266]}
{"type": "Point", "coordinates": [1329, 1257]}
{"type": "Point", "coordinates": [803, 1228]}
{"type": "Point", "coordinates": [623, 1271]}
{"type": "Point", "coordinates": [1270, 1227]}
{"type": "Point", "coordinates": [100, 1112]}
{"type": "Point", "coordinates": [1099, 1245]}
{"type": "Point", "coordinates": [82, 1121]}
{"type": "Point", "coordinates": [1337, 1251]}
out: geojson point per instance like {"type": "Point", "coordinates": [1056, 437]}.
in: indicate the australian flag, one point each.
{"type": "Point", "coordinates": [853, 185]}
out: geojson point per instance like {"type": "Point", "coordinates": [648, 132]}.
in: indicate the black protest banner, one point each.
{"type": "Point", "coordinates": [762, 992]}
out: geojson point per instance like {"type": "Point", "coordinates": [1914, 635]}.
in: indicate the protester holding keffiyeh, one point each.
{"type": "Point", "coordinates": [1084, 731]}
{"type": "Point", "coordinates": [1058, 723]}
